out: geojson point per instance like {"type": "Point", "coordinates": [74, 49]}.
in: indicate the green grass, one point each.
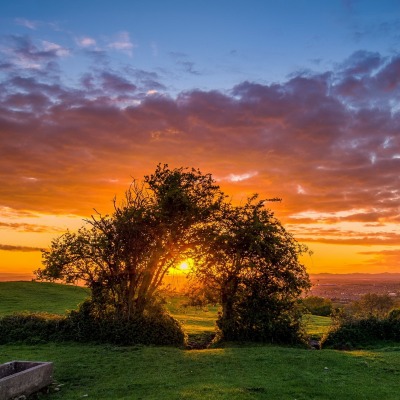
{"type": "Point", "coordinates": [259, 372]}
{"type": "Point", "coordinates": [39, 297]}
{"type": "Point", "coordinates": [193, 319]}
{"type": "Point", "coordinates": [233, 372]}
{"type": "Point", "coordinates": [317, 326]}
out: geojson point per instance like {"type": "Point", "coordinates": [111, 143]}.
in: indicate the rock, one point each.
{"type": "Point", "coordinates": [315, 344]}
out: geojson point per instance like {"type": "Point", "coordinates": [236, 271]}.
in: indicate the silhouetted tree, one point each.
{"type": "Point", "coordinates": [124, 257]}
{"type": "Point", "coordinates": [253, 262]}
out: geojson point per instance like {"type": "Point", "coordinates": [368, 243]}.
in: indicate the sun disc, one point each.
{"type": "Point", "coordinates": [184, 266]}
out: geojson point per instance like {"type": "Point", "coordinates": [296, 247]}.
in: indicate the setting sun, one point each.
{"type": "Point", "coordinates": [185, 266]}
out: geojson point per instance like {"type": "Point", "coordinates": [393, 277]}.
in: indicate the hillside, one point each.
{"type": "Point", "coordinates": [39, 297]}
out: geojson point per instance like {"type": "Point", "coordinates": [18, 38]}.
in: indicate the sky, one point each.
{"type": "Point", "coordinates": [292, 99]}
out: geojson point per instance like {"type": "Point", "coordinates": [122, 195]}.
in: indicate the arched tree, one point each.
{"type": "Point", "coordinates": [248, 256]}
{"type": "Point", "coordinates": [124, 257]}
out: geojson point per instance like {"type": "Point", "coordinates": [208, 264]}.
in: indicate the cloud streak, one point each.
{"type": "Point", "coordinates": [25, 249]}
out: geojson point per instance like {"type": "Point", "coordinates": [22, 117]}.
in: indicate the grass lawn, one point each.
{"type": "Point", "coordinates": [233, 372]}
{"type": "Point", "coordinates": [317, 326]}
{"type": "Point", "coordinates": [39, 297]}
{"type": "Point", "coordinates": [259, 372]}
{"type": "Point", "coordinates": [193, 319]}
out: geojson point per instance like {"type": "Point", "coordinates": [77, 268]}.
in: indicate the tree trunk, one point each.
{"type": "Point", "coordinates": [228, 292]}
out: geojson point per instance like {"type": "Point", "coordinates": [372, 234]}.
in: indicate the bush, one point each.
{"type": "Point", "coordinates": [264, 318]}
{"type": "Point", "coordinates": [31, 328]}
{"type": "Point", "coordinates": [318, 305]}
{"type": "Point", "coordinates": [356, 333]}
{"type": "Point", "coordinates": [158, 328]}
{"type": "Point", "coordinates": [155, 327]}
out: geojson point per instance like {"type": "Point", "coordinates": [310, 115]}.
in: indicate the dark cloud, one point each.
{"type": "Point", "coordinates": [361, 63]}
{"type": "Point", "coordinates": [25, 249]}
{"type": "Point", "coordinates": [28, 52]}
{"type": "Point", "coordinates": [319, 141]}
{"type": "Point", "coordinates": [114, 83]}
{"type": "Point", "coordinates": [368, 80]}
{"type": "Point", "coordinates": [23, 227]}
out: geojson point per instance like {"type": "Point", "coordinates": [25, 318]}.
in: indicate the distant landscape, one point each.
{"type": "Point", "coordinates": [344, 288]}
{"type": "Point", "coordinates": [341, 288]}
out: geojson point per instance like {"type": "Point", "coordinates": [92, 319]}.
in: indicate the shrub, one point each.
{"type": "Point", "coordinates": [355, 333]}
{"type": "Point", "coordinates": [199, 295]}
{"type": "Point", "coordinates": [318, 305]}
{"type": "Point", "coordinates": [156, 327]}
{"type": "Point", "coordinates": [270, 320]}
{"type": "Point", "coordinates": [31, 328]}
{"type": "Point", "coordinates": [371, 305]}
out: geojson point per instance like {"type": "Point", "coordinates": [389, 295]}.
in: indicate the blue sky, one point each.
{"type": "Point", "coordinates": [208, 44]}
{"type": "Point", "coordinates": [292, 99]}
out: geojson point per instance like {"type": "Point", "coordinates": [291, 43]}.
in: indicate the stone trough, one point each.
{"type": "Point", "coordinates": [19, 378]}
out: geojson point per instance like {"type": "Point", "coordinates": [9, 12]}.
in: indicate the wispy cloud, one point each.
{"type": "Point", "coordinates": [388, 260]}
{"type": "Point", "coordinates": [238, 177]}
{"type": "Point", "coordinates": [86, 41]}
{"type": "Point", "coordinates": [55, 48]}
{"type": "Point", "coordinates": [27, 23]}
{"type": "Point", "coordinates": [122, 43]}
{"type": "Point", "coordinates": [25, 249]}
{"type": "Point", "coordinates": [24, 227]}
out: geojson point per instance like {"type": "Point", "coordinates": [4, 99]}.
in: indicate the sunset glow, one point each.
{"type": "Point", "coordinates": [302, 105]}
{"type": "Point", "coordinates": [184, 266]}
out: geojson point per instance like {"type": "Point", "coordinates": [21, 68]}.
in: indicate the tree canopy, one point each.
{"type": "Point", "coordinates": [124, 257]}
{"type": "Point", "coordinates": [242, 252]}
{"type": "Point", "coordinates": [253, 262]}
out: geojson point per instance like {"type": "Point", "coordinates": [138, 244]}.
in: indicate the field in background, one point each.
{"type": "Point", "coordinates": [57, 299]}
{"type": "Point", "coordinates": [39, 297]}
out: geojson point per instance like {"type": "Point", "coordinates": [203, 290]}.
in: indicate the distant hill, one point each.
{"type": "Point", "coordinates": [383, 277]}
{"type": "Point", "coordinates": [9, 277]}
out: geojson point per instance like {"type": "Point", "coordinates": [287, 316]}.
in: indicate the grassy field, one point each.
{"type": "Point", "coordinates": [57, 299]}
{"type": "Point", "coordinates": [258, 372]}
{"type": "Point", "coordinates": [317, 326]}
{"type": "Point", "coordinates": [193, 319]}
{"type": "Point", "coordinates": [233, 372]}
{"type": "Point", "coordinates": [39, 297]}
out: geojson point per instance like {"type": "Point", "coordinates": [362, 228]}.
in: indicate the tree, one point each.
{"type": "Point", "coordinates": [318, 305]}
{"type": "Point", "coordinates": [248, 256]}
{"type": "Point", "coordinates": [124, 257]}
{"type": "Point", "coordinates": [371, 305]}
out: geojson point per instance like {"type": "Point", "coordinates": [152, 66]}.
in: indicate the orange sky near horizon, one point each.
{"type": "Point", "coordinates": [337, 245]}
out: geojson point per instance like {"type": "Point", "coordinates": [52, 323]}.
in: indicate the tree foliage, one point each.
{"type": "Point", "coordinates": [242, 253]}
{"type": "Point", "coordinates": [318, 305]}
{"type": "Point", "coordinates": [371, 305]}
{"type": "Point", "coordinates": [253, 262]}
{"type": "Point", "coordinates": [124, 257]}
